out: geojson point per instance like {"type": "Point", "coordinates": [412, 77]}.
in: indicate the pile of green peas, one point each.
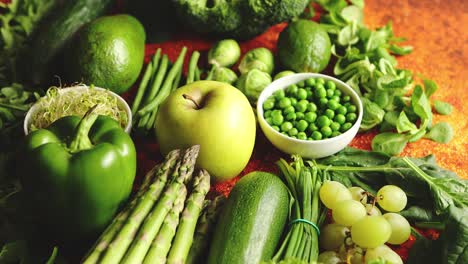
{"type": "Point", "coordinates": [312, 109]}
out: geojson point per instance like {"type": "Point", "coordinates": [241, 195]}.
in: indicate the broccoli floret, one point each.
{"type": "Point", "coordinates": [241, 19]}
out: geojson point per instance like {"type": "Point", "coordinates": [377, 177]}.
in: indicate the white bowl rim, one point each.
{"type": "Point", "coordinates": [308, 75]}
{"type": "Point", "coordinates": [124, 103]}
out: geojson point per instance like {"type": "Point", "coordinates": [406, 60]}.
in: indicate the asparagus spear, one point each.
{"type": "Point", "coordinates": [204, 229]}
{"type": "Point", "coordinates": [184, 235]}
{"type": "Point", "coordinates": [154, 220]}
{"type": "Point", "coordinates": [138, 208]}
{"type": "Point", "coordinates": [162, 242]}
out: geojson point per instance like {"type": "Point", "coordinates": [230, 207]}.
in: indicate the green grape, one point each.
{"type": "Point", "coordinates": [371, 231]}
{"type": "Point", "coordinates": [332, 192]}
{"type": "Point", "coordinates": [354, 253]}
{"type": "Point", "coordinates": [358, 194]}
{"type": "Point", "coordinates": [383, 252]}
{"type": "Point", "coordinates": [329, 257]}
{"type": "Point", "coordinates": [401, 229]}
{"type": "Point", "coordinates": [372, 210]}
{"type": "Point", "coordinates": [332, 236]}
{"type": "Point", "coordinates": [347, 212]}
{"type": "Point", "coordinates": [391, 198]}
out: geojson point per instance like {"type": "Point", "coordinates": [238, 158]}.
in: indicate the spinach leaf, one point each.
{"type": "Point", "coordinates": [443, 108]}
{"type": "Point", "coordinates": [356, 157]}
{"type": "Point", "coordinates": [405, 125]}
{"type": "Point", "coordinates": [421, 106]}
{"type": "Point", "coordinates": [441, 132]}
{"type": "Point", "coordinates": [419, 252]}
{"type": "Point", "coordinates": [430, 87]}
{"type": "Point", "coordinates": [455, 237]}
{"type": "Point", "coordinates": [389, 143]}
{"type": "Point", "coordinates": [419, 214]}
{"type": "Point", "coordinates": [372, 116]}
{"type": "Point", "coordinates": [400, 50]}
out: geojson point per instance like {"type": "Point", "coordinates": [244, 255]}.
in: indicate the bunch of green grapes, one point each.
{"type": "Point", "coordinates": [359, 230]}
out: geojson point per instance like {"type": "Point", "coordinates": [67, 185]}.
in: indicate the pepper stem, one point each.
{"type": "Point", "coordinates": [81, 139]}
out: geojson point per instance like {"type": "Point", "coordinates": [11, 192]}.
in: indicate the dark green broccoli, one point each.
{"type": "Point", "coordinates": [241, 19]}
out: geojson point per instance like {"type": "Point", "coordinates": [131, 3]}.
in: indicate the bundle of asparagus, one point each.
{"type": "Point", "coordinates": [158, 225]}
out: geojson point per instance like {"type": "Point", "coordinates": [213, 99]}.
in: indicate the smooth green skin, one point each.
{"type": "Point", "coordinates": [224, 127]}
{"type": "Point", "coordinates": [77, 194]}
{"type": "Point", "coordinates": [251, 222]}
{"type": "Point", "coordinates": [303, 46]}
{"type": "Point", "coordinates": [108, 52]}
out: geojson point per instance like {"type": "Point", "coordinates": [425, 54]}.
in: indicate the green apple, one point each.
{"type": "Point", "coordinates": [215, 115]}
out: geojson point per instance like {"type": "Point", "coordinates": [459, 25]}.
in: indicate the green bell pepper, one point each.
{"type": "Point", "coordinates": [77, 173]}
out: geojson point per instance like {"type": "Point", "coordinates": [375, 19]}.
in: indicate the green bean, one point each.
{"type": "Point", "coordinates": [197, 73]}
{"type": "Point", "coordinates": [142, 87]}
{"type": "Point", "coordinates": [158, 79]}
{"type": "Point", "coordinates": [166, 88]}
{"type": "Point", "coordinates": [176, 83]}
{"type": "Point", "coordinates": [210, 73]}
{"type": "Point", "coordinates": [192, 67]}
{"type": "Point", "coordinates": [151, 119]}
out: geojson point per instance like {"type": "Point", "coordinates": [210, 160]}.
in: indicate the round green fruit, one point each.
{"type": "Point", "coordinates": [108, 52]}
{"type": "Point", "coordinates": [304, 46]}
{"type": "Point", "coordinates": [215, 115]}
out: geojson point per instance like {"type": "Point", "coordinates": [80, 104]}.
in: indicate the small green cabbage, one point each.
{"type": "Point", "coordinates": [282, 74]}
{"type": "Point", "coordinates": [252, 83]}
{"type": "Point", "coordinates": [223, 74]}
{"type": "Point", "coordinates": [258, 58]}
{"type": "Point", "coordinates": [224, 53]}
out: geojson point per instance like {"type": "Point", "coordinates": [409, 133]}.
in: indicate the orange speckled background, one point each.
{"type": "Point", "coordinates": [437, 31]}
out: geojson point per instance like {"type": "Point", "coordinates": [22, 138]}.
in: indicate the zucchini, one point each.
{"type": "Point", "coordinates": [252, 221]}
{"type": "Point", "coordinates": [54, 33]}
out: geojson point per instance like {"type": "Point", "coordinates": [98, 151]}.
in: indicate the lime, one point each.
{"type": "Point", "coordinates": [304, 46]}
{"type": "Point", "coordinates": [108, 52]}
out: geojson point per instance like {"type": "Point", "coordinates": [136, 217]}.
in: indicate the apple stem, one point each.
{"type": "Point", "coordinates": [186, 96]}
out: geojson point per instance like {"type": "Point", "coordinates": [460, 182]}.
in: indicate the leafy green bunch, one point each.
{"type": "Point", "coordinates": [366, 62]}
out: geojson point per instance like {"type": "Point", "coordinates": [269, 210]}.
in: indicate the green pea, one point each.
{"type": "Point", "coordinates": [302, 125]}
{"type": "Point", "coordinates": [301, 106]}
{"type": "Point", "coordinates": [289, 109]}
{"type": "Point", "coordinates": [320, 81]}
{"type": "Point", "coordinates": [351, 117]}
{"type": "Point", "coordinates": [323, 121]}
{"type": "Point", "coordinates": [301, 94]}
{"type": "Point", "coordinates": [323, 102]}
{"type": "Point", "coordinates": [267, 114]}
{"type": "Point", "coordinates": [310, 117]}
{"type": "Point", "coordinates": [330, 93]}
{"type": "Point", "coordinates": [310, 94]}
{"type": "Point", "coordinates": [311, 107]}
{"type": "Point", "coordinates": [326, 131]}
{"type": "Point", "coordinates": [292, 90]}
{"type": "Point", "coordinates": [335, 126]}
{"type": "Point", "coordinates": [312, 127]}
{"type": "Point", "coordinates": [291, 116]}
{"type": "Point", "coordinates": [346, 126]}
{"type": "Point", "coordinates": [341, 110]}
{"type": "Point", "coordinates": [293, 131]}
{"type": "Point", "coordinates": [346, 98]}
{"type": "Point", "coordinates": [352, 109]}
{"type": "Point", "coordinates": [302, 135]}
{"type": "Point", "coordinates": [269, 104]}
{"type": "Point", "coordinates": [293, 101]}
{"type": "Point", "coordinates": [292, 136]}
{"type": "Point", "coordinates": [301, 83]}
{"type": "Point", "coordinates": [336, 98]}
{"type": "Point", "coordinates": [335, 133]}
{"type": "Point", "coordinates": [340, 119]}
{"type": "Point", "coordinates": [299, 115]}
{"type": "Point", "coordinates": [333, 105]}
{"type": "Point", "coordinates": [330, 113]}
{"type": "Point", "coordinates": [310, 81]}
{"type": "Point", "coordinates": [269, 120]}
{"type": "Point", "coordinates": [320, 92]}
{"type": "Point", "coordinates": [330, 85]}
{"type": "Point", "coordinates": [276, 128]}
{"type": "Point", "coordinates": [279, 94]}
{"type": "Point", "coordinates": [338, 92]}
{"type": "Point", "coordinates": [286, 126]}
{"type": "Point", "coordinates": [276, 112]}
{"type": "Point", "coordinates": [316, 135]}
{"type": "Point", "coordinates": [277, 120]}
{"type": "Point", "coordinates": [284, 102]}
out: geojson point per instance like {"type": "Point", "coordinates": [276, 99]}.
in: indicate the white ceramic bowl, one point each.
{"type": "Point", "coordinates": [121, 103]}
{"type": "Point", "coordinates": [312, 149]}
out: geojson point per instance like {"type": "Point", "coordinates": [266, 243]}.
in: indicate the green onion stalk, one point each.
{"type": "Point", "coordinates": [307, 213]}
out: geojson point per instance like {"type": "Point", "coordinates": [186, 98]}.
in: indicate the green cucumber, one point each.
{"type": "Point", "coordinates": [54, 33]}
{"type": "Point", "coordinates": [251, 222]}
